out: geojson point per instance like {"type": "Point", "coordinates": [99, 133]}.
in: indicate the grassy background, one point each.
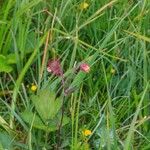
{"type": "Point", "coordinates": [112, 100]}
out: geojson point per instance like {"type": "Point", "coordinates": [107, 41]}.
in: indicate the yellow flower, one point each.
{"type": "Point", "coordinates": [112, 71]}
{"type": "Point", "coordinates": [33, 88]}
{"type": "Point", "coordinates": [83, 5]}
{"type": "Point", "coordinates": [87, 132]}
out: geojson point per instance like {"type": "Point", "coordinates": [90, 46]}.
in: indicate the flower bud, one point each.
{"type": "Point", "coordinates": [85, 68]}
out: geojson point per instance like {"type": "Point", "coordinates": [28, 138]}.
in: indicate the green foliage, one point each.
{"type": "Point", "coordinates": [6, 63]}
{"type": "Point", "coordinates": [52, 125]}
{"type": "Point", "coordinates": [48, 108]}
{"type": "Point", "coordinates": [46, 104]}
{"type": "Point", "coordinates": [6, 142]}
{"type": "Point", "coordinates": [112, 100]}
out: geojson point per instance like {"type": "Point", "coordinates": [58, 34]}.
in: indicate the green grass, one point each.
{"type": "Point", "coordinates": [112, 100]}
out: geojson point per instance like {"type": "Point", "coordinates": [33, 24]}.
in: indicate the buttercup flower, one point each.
{"type": "Point", "coordinates": [112, 71]}
{"type": "Point", "coordinates": [54, 67]}
{"type": "Point", "coordinates": [87, 132]}
{"type": "Point", "coordinates": [33, 88]}
{"type": "Point", "coordinates": [83, 5]}
{"type": "Point", "coordinates": [85, 67]}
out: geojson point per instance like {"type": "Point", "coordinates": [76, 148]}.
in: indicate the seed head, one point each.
{"type": "Point", "coordinates": [54, 67]}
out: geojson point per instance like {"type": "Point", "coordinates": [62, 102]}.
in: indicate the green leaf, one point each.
{"type": "Point", "coordinates": [11, 59]}
{"type": "Point", "coordinates": [27, 6]}
{"type": "Point", "coordinates": [28, 117]}
{"type": "Point", "coordinates": [1, 147]}
{"type": "Point", "coordinates": [78, 79]}
{"type": "Point", "coordinates": [46, 104]}
{"type": "Point", "coordinates": [4, 66]}
{"type": "Point", "coordinates": [31, 42]}
{"type": "Point", "coordinates": [5, 141]}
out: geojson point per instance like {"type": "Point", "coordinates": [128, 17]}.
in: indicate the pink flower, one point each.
{"type": "Point", "coordinates": [85, 68]}
{"type": "Point", "coordinates": [54, 67]}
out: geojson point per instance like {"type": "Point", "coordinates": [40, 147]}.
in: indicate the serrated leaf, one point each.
{"type": "Point", "coordinates": [46, 105]}
{"type": "Point", "coordinates": [28, 117]}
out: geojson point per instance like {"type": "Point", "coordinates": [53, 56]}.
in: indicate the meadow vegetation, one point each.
{"type": "Point", "coordinates": [74, 74]}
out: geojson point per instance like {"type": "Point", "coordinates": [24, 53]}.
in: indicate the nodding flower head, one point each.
{"type": "Point", "coordinates": [54, 67]}
{"type": "Point", "coordinates": [85, 67]}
